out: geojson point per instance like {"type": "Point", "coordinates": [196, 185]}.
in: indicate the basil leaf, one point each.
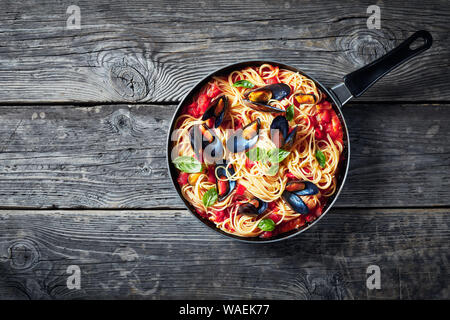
{"type": "Point", "coordinates": [290, 112]}
{"type": "Point", "coordinates": [243, 83]}
{"type": "Point", "coordinates": [256, 154]}
{"type": "Point", "coordinates": [187, 164]}
{"type": "Point", "coordinates": [266, 225]}
{"type": "Point", "coordinates": [321, 158]}
{"type": "Point", "coordinates": [210, 197]}
{"type": "Point", "coordinates": [277, 155]}
{"type": "Point", "coordinates": [273, 170]}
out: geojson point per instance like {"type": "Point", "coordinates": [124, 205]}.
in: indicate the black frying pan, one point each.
{"type": "Point", "coordinates": [354, 85]}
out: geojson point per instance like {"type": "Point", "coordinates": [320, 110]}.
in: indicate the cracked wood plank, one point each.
{"type": "Point", "coordinates": [113, 156]}
{"type": "Point", "coordinates": [167, 254]}
{"type": "Point", "coordinates": [155, 51]}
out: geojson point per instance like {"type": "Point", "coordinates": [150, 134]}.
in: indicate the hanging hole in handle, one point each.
{"type": "Point", "coordinates": [420, 41]}
{"type": "Point", "coordinates": [417, 43]}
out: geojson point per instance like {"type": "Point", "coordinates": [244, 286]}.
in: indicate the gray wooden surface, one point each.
{"type": "Point", "coordinates": [83, 181]}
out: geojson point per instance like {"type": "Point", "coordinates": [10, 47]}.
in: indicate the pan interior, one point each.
{"type": "Point", "coordinates": [342, 172]}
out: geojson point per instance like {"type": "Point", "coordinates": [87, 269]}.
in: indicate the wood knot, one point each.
{"type": "Point", "coordinates": [128, 82]}
{"type": "Point", "coordinates": [319, 284]}
{"type": "Point", "coordinates": [23, 254]}
{"type": "Point", "coordinates": [366, 46]}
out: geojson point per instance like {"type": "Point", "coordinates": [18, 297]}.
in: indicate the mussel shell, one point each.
{"type": "Point", "coordinates": [290, 139]}
{"type": "Point", "coordinates": [210, 151]}
{"type": "Point", "coordinates": [211, 111]}
{"type": "Point", "coordinates": [250, 209]}
{"type": "Point", "coordinates": [279, 92]}
{"type": "Point", "coordinates": [221, 169]}
{"type": "Point", "coordinates": [237, 143]}
{"type": "Point", "coordinates": [302, 188]}
{"type": "Point", "coordinates": [295, 202]}
{"type": "Point", "coordinates": [304, 98]}
{"type": "Point", "coordinates": [279, 131]}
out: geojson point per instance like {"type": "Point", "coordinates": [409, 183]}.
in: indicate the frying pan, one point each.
{"type": "Point", "coordinates": [354, 85]}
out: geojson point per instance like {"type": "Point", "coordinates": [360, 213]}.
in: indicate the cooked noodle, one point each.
{"type": "Point", "coordinates": [301, 162]}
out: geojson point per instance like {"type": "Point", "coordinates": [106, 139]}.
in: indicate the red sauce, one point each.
{"type": "Point", "coordinates": [325, 122]}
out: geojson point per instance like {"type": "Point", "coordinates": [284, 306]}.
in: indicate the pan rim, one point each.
{"type": "Point", "coordinates": [289, 234]}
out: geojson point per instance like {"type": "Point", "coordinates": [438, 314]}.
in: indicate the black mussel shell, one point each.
{"type": "Point", "coordinates": [290, 139]}
{"type": "Point", "coordinates": [305, 98]}
{"type": "Point", "coordinates": [295, 202]}
{"type": "Point", "coordinates": [279, 131]}
{"type": "Point", "coordinates": [258, 98]}
{"type": "Point", "coordinates": [302, 188]}
{"type": "Point", "coordinates": [253, 207]}
{"type": "Point", "coordinates": [245, 138]}
{"type": "Point", "coordinates": [224, 188]}
{"type": "Point", "coordinates": [217, 109]}
{"type": "Point", "coordinates": [206, 144]}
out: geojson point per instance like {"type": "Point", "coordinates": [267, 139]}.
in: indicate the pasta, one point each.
{"type": "Point", "coordinates": [288, 141]}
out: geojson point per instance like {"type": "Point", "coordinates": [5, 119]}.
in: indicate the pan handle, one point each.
{"type": "Point", "coordinates": [357, 82]}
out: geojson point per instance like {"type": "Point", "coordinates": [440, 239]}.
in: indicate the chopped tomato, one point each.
{"type": "Point", "coordinates": [310, 217]}
{"type": "Point", "coordinates": [324, 116]}
{"type": "Point", "coordinates": [272, 80]}
{"type": "Point", "coordinates": [312, 121]}
{"type": "Point", "coordinates": [290, 176]}
{"type": "Point", "coordinates": [237, 123]}
{"type": "Point", "coordinates": [221, 215]}
{"type": "Point", "coordinates": [193, 110]}
{"type": "Point", "coordinates": [318, 211]}
{"type": "Point", "coordinates": [203, 103]}
{"type": "Point", "coordinates": [202, 213]}
{"type": "Point", "coordinates": [211, 175]}
{"type": "Point", "coordinates": [183, 178]}
{"type": "Point", "coordinates": [275, 217]}
{"type": "Point", "coordinates": [290, 225]}
{"type": "Point", "coordinates": [266, 234]}
{"type": "Point", "coordinates": [336, 132]}
{"type": "Point", "coordinates": [248, 163]}
{"type": "Point", "coordinates": [319, 134]}
{"type": "Point", "coordinates": [324, 105]}
{"type": "Point", "coordinates": [240, 190]}
{"type": "Point", "coordinates": [213, 91]}
{"type": "Point", "coordinates": [272, 205]}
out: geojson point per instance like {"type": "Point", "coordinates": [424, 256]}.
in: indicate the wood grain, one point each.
{"type": "Point", "coordinates": [155, 51]}
{"type": "Point", "coordinates": [168, 255]}
{"type": "Point", "coordinates": [111, 156]}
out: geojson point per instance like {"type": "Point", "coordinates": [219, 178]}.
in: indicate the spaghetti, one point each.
{"type": "Point", "coordinates": [282, 178]}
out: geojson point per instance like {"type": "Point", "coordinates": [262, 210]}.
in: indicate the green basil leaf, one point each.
{"type": "Point", "coordinates": [266, 225]}
{"type": "Point", "coordinates": [321, 158]}
{"type": "Point", "coordinates": [188, 164]}
{"type": "Point", "coordinates": [256, 154]}
{"type": "Point", "coordinates": [277, 155]}
{"type": "Point", "coordinates": [290, 112]}
{"type": "Point", "coordinates": [273, 170]}
{"type": "Point", "coordinates": [243, 83]}
{"type": "Point", "coordinates": [210, 197]}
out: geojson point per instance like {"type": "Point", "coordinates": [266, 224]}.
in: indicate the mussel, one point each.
{"type": "Point", "coordinates": [245, 138]}
{"type": "Point", "coordinates": [216, 109]}
{"type": "Point", "coordinates": [259, 98]}
{"type": "Point", "coordinates": [305, 98]}
{"type": "Point", "coordinates": [253, 207]}
{"type": "Point", "coordinates": [293, 192]}
{"type": "Point", "coordinates": [206, 144]}
{"type": "Point", "coordinates": [224, 186]}
{"type": "Point", "coordinates": [279, 133]}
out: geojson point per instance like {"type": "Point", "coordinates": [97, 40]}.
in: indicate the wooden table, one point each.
{"type": "Point", "coordinates": [83, 180]}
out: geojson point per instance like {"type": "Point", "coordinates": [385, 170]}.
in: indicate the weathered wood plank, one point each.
{"type": "Point", "coordinates": [156, 50]}
{"type": "Point", "coordinates": [114, 156]}
{"type": "Point", "coordinates": [168, 255]}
